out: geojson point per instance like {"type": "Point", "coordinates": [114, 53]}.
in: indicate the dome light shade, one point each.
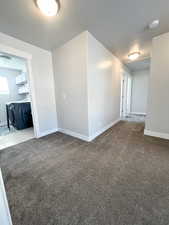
{"type": "Point", "coordinates": [154, 24]}
{"type": "Point", "coordinates": [48, 7]}
{"type": "Point", "coordinates": [134, 55]}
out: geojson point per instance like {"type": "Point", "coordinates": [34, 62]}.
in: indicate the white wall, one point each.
{"type": "Point", "coordinates": [42, 81]}
{"type": "Point", "coordinates": [104, 87]}
{"type": "Point", "coordinates": [140, 80]}
{"type": "Point", "coordinates": [157, 122]}
{"type": "Point", "coordinates": [88, 87]}
{"type": "Point", "coordinates": [70, 78]}
{"type": "Point", "coordinates": [5, 218]}
{"type": "Point", "coordinates": [13, 95]}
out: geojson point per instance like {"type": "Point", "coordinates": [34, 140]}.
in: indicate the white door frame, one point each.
{"type": "Point", "coordinates": [125, 94]}
{"type": "Point", "coordinates": [28, 58]}
{"type": "Point", "coordinates": [5, 217]}
{"type": "Point", "coordinates": [129, 93]}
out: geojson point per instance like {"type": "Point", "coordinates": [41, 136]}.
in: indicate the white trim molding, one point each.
{"type": "Point", "coordinates": [85, 137]}
{"type": "Point", "coordinates": [102, 130]}
{"type": "Point", "coordinates": [42, 134]}
{"type": "Point", "coordinates": [138, 113]}
{"type": "Point", "coordinates": [5, 217]}
{"type": "Point", "coordinates": [74, 134]}
{"type": "Point", "coordinates": [156, 134]}
{"type": "Point", "coordinates": [15, 51]}
{"type": "Point", "coordinates": [28, 58]}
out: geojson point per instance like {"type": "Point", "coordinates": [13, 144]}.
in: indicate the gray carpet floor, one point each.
{"type": "Point", "coordinates": [121, 178]}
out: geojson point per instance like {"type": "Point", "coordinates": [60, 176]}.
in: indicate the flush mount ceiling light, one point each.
{"type": "Point", "coordinates": [134, 55]}
{"type": "Point", "coordinates": [48, 7]}
{"type": "Point", "coordinates": [154, 24]}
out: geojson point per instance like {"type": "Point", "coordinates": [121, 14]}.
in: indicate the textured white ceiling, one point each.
{"type": "Point", "coordinates": [121, 25]}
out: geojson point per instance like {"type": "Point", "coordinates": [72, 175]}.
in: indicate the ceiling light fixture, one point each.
{"type": "Point", "coordinates": [134, 55]}
{"type": "Point", "coordinates": [48, 7]}
{"type": "Point", "coordinates": [154, 24]}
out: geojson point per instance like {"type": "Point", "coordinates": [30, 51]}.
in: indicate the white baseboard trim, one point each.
{"type": "Point", "coordinates": [87, 138]}
{"type": "Point", "coordinates": [91, 138]}
{"type": "Point", "coordinates": [156, 134]}
{"type": "Point", "coordinates": [45, 133]}
{"type": "Point", "coordinates": [74, 134]}
{"type": "Point", "coordinates": [138, 113]}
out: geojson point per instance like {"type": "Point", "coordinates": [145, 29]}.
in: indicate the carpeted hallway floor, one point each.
{"type": "Point", "coordinates": [121, 178]}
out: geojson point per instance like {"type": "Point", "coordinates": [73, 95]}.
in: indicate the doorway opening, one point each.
{"type": "Point", "coordinates": [16, 120]}
{"type": "Point", "coordinates": [134, 96]}
{"type": "Point", "coordinates": [126, 94]}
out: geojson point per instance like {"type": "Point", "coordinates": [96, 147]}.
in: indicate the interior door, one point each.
{"type": "Point", "coordinates": [124, 99]}
{"type": "Point", "coordinates": [126, 94]}
{"type": "Point", "coordinates": [129, 89]}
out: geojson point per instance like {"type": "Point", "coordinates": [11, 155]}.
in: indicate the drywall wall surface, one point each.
{"type": "Point", "coordinates": [42, 80]}
{"type": "Point", "coordinates": [10, 76]}
{"type": "Point", "coordinates": [71, 85]}
{"type": "Point", "coordinates": [88, 87]}
{"type": "Point", "coordinates": [104, 86]}
{"type": "Point", "coordinates": [139, 97]}
{"type": "Point", "coordinates": [158, 100]}
{"type": "Point", "coordinates": [5, 217]}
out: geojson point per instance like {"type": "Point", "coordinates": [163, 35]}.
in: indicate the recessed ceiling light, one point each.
{"type": "Point", "coordinates": [134, 55]}
{"type": "Point", "coordinates": [48, 7]}
{"type": "Point", "coordinates": [154, 24]}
